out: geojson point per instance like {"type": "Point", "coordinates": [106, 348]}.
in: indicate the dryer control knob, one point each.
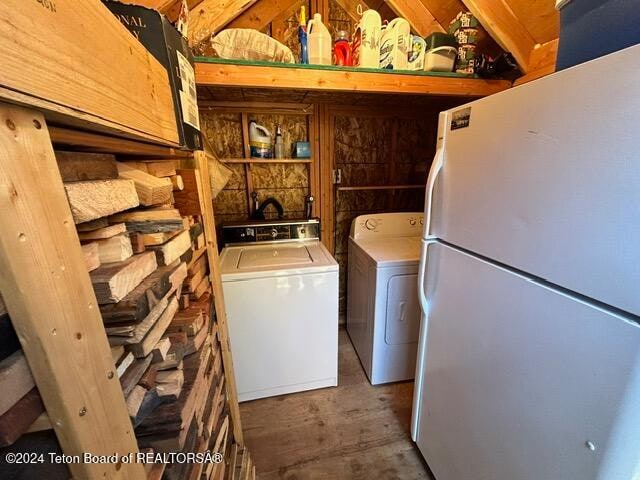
{"type": "Point", "coordinates": [412, 222]}
{"type": "Point", "coordinates": [371, 224]}
{"type": "Point", "coordinates": [274, 233]}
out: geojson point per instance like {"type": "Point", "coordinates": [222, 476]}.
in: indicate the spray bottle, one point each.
{"type": "Point", "coordinates": [302, 35]}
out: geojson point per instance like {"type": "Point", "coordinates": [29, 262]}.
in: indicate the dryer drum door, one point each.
{"type": "Point", "coordinates": [403, 311]}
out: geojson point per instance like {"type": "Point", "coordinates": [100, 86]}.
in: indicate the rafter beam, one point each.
{"type": "Point", "coordinates": [419, 17]}
{"type": "Point", "coordinates": [211, 16]}
{"type": "Point", "coordinates": [261, 14]}
{"type": "Point", "coordinates": [502, 24]}
{"type": "Point", "coordinates": [351, 8]}
{"type": "Point", "coordinates": [443, 10]}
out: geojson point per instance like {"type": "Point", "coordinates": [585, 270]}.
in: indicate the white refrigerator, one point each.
{"type": "Point", "coordinates": [529, 355]}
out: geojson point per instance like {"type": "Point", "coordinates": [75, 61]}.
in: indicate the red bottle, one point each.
{"type": "Point", "coordinates": [342, 50]}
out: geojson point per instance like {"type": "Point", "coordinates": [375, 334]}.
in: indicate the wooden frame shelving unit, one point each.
{"type": "Point", "coordinates": [216, 73]}
{"type": "Point", "coordinates": [50, 299]}
{"type": "Point", "coordinates": [86, 83]}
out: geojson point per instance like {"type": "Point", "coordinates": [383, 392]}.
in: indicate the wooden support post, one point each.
{"type": "Point", "coordinates": [327, 164]}
{"type": "Point", "coordinates": [47, 291]}
{"type": "Point", "coordinates": [218, 295]}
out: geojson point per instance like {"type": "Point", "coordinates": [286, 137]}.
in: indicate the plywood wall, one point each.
{"type": "Point", "coordinates": [378, 150]}
{"type": "Point", "coordinates": [287, 183]}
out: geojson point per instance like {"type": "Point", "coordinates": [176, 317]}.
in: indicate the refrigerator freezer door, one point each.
{"type": "Point", "coordinates": [522, 382]}
{"type": "Point", "coordinates": [546, 179]}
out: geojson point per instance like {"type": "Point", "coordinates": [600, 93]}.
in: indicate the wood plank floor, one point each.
{"type": "Point", "coordinates": [350, 432]}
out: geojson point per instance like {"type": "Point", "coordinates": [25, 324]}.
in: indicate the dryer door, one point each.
{"type": "Point", "coordinates": [403, 310]}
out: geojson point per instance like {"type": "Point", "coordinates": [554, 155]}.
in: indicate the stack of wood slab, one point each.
{"type": "Point", "coordinates": [151, 282]}
{"type": "Point", "coordinates": [140, 226]}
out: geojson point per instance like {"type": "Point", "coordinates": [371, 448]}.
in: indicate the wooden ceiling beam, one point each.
{"type": "Point", "coordinates": [419, 17]}
{"type": "Point", "coordinates": [261, 14]}
{"type": "Point", "coordinates": [444, 10]}
{"type": "Point", "coordinates": [502, 24]}
{"type": "Point", "coordinates": [212, 15]}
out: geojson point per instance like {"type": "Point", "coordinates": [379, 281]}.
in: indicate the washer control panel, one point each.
{"type": "Point", "coordinates": [270, 231]}
{"type": "Point", "coordinates": [387, 225]}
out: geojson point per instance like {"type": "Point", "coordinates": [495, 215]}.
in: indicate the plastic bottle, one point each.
{"type": "Point", "coordinates": [319, 41]}
{"type": "Point", "coordinates": [302, 35]}
{"type": "Point", "coordinates": [395, 45]}
{"type": "Point", "coordinates": [279, 146]}
{"type": "Point", "coordinates": [259, 141]}
{"type": "Point", "coordinates": [342, 50]}
{"type": "Point", "coordinates": [365, 48]}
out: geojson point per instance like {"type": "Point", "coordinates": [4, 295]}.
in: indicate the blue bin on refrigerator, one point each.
{"type": "Point", "coordinates": [592, 28]}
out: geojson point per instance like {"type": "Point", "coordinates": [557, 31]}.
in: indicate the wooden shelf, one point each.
{"type": "Point", "coordinates": [214, 73]}
{"type": "Point", "coordinates": [266, 160]}
{"type": "Point", "coordinates": [381, 187]}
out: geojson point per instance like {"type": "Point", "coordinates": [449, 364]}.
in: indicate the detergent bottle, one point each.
{"type": "Point", "coordinates": [342, 50]}
{"type": "Point", "coordinates": [365, 48]}
{"type": "Point", "coordinates": [302, 35]}
{"type": "Point", "coordinates": [395, 45]}
{"type": "Point", "coordinates": [318, 41]}
{"type": "Point", "coordinates": [259, 141]}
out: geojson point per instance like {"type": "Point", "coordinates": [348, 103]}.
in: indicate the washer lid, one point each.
{"type": "Point", "coordinates": [244, 262]}
{"type": "Point", "coordinates": [391, 251]}
{"type": "Point", "coordinates": [274, 256]}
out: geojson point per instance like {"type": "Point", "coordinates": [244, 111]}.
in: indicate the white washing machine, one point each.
{"type": "Point", "coordinates": [383, 313]}
{"type": "Point", "coordinates": [281, 293]}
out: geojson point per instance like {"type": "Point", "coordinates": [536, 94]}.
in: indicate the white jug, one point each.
{"type": "Point", "coordinates": [319, 42]}
{"type": "Point", "coordinates": [366, 40]}
{"type": "Point", "coordinates": [395, 45]}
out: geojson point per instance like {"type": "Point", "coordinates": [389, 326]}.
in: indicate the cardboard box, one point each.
{"type": "Point", "coordinates": [74, 61]}
{"type": "Point", "coordinates": [170, 48]}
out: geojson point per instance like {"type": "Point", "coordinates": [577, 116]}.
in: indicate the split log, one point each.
{"type": "Point", "coordinates": [201, 289]}
{"type": "Point", "coordinates": [161, 349]}
{"type": "Point", "coordinates": [144, 347]}
{"type": "Point", "coordinates": [163, 168]}
{"type": "Point", "coordinates": [117, 353]}
{"type": "Point", "coordinates": [154, 220]}
{"type": "Point", "coordinates": [152, 239]}
{"type": "Point", "coordinates": [173, 249]}
{"type": "Point", "coordinates": [137, 305]}
{"type": "Point", "coordinates": [151, 189]}
{"type": "Point", "coordinates": [133, 374]}
{"type": "Point", "coordinates": [100, 198]}
{"type": "Point", "coordinates": [177, 182]}
{"type": "Point", "coordinates": [80, 166]}
{"type": "Point", "coordinates": [189, 321]}
{"type": "Point", "coordinates": [15, 380]}
{"type": "Point", "coordinates": [197, 272]}
{"type": "Point", "coordinates": [113, 281]}
{"type": "Point", "coordinates": [169, 383]}
{"type": "Point", "coordinates": [17, 420]}
{"type": "Point", "coordinates": [115, 249]}
{"type": "Point", "coordinates": [92, 225]}
{"type": "Point", "coordinates": [124, 363]}
{"type": "Point", "coordinates": [102, 233]}
{"type": "Point", "coordinates": [134, 400]}
{"type": "Point", "coordinates": [150, 402]}
{"type": "Point", "coordinates": [91, 256]}
{"type": "Point", "coordinates": [137, 242]}
{"type": "Point", "coordinates": [188, 199]}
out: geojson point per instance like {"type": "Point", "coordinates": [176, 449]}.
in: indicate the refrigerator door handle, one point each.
{"type": "Point", "coordinates": [422, 340]}
{"type": "Point", "coordinates": [434, 173]}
